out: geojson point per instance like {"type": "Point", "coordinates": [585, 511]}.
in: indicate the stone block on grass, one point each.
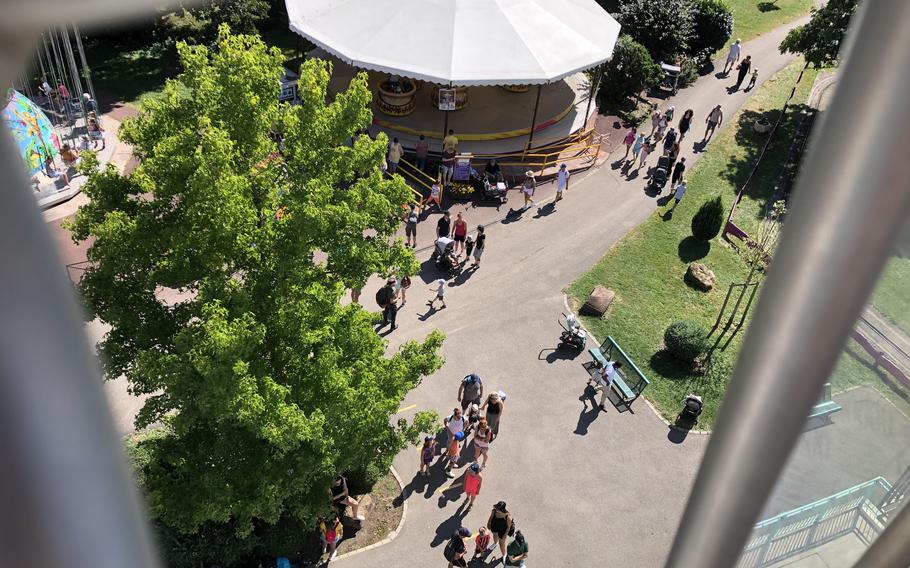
{"type": "Point", "coordinates": [598, 301]}
{"type": "Point", "coordinates": [700, 276]}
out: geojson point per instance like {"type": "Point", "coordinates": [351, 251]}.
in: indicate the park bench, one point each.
{"type": "Point", "coordinates": [629, 381]}
{"type": "Point", "coordinates": [826, 405]}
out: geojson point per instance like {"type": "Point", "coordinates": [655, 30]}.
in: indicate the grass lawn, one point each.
{"type": "Point", "coordinates": [752, 18]}
{"type": "Point", "coordinates": [646, 270]}
{"type": "Point", "coordinates": [856, 367]}
{"type": "Point", "coordinates": [891, 297]}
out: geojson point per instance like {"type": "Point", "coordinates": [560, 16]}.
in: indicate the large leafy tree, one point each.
{"type": "Point", "coordinates": [664, 27]}
{"type": "Point", "coordinates": [713, 26]}
{"type": "Point", "coordinates": [819, 41]}
{"type": "Point", "coordinates": [220, 263]}
{"type": "Point", "coordinates": [629, 72]}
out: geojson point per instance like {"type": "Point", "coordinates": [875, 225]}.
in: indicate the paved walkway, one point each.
{"type": "Point", "coordinates": [585, 487]}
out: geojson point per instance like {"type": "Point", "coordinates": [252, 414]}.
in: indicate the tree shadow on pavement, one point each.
{"type": "Point", "coordinates": [587, 416]}
{"type": "Point", "coordinates": [691, 249]}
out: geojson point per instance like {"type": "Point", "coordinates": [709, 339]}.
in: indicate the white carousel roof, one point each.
{"type": "Point", "coordinates": [465, 42]}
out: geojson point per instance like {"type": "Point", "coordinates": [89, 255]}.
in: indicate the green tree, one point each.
{"type": "Point", "coordinates": [629, 72]}
{"type": "Point", "coordinates": [713, 26]}
{"type": "Point", "coordinates": [708, 220]}
{"type": "Point", "coordinates": [664, 27]}
{"type": "Point", "coordinates": [220, 264]}
{"type": "Point", "coordinates": [819, 41]}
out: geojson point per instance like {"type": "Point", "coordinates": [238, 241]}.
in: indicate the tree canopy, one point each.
{"type": "Point", "coordinates": [664, 27]}
{"type": "Point", "coordinates": [819, 41]}
{"type": "Point", "coordinates": [629, 72]}
{"type": "Point", "coordinates": [220, 264]}
{"type": "Point", "coordinates": [713, 26]}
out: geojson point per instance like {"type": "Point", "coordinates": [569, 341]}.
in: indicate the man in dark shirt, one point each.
{"type": "Point", "coordinates": [678, 171]}
{"type": "Point", "coordinates": [443, 226]}
{"type": "Point", "coordinates": [386, 297]}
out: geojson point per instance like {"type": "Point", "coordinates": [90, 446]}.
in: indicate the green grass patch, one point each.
{"type": "Point", "coordinates": [751, 18]}
{"type": "Point", "coordinates": [856, 367]}
{"type": "Point", "coordinates": [891, 295]}
{"type": "Point", "coordinates": [647, 266]}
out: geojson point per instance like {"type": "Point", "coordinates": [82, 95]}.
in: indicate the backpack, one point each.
{"type": "Point", "coordinates": [449, 551]}
{"type": "Point", "coordinates": [383, 295]}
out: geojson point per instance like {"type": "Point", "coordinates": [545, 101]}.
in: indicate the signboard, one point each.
{"type": "Point", "coordinates": [462, 168]}
{"type": "Point", "coordinates": [446, 99]}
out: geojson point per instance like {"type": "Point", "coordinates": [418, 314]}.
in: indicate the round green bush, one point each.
{"type": "Point", "coordinates": [713, 23]}
{"type": "Point", "coordinates": [709, 220]}
{"type": "Point", "coordinates": [686, 340]}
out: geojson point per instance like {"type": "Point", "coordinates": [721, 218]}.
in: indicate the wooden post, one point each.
{"type": "Point", "coordinates": [534, 118]}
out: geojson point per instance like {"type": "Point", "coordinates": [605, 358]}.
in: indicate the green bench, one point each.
{"type": "Point", "coordinates": [629, 381]}
{"type": "Point", "coordinates": [826, 405]}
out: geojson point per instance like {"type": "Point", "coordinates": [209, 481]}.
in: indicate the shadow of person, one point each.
{"type": "Point", "coordinates": [513, 215]}
{"type": "Point", "coordinates": [664, 200]}
{"type": "Point", "coordinates": [732, 89]}
{"type": "Point", "coordinates": [586, 417]}
{"type": "Point", "coordinates": [699, 146]}
{"type": "Point", "coordinates": [446, 529]}
{"type": "Point", "coordinates": [430, 311]}
{"type": "Point", "coordinates": [545, 210]}
{"type": "Point", "coordinates": [632, 174]}
{"type": "Point", "coordinates": [617, 164]}
{"type": "Point", "coordinates": [667, 215]}
{"type": "Point", "coordinates": [436, 479]}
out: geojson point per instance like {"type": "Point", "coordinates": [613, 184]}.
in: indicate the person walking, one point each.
{"type": "Point", "coordinates": [443, 226]}
{"type": "Point", "coordinates": [470, 391]}
{"type": "Point", "coordinates": [645, 150]}
{"type": "Point", "coordinates": [528, 187]}
{"type": "Point", "coordinates": [435, 194]}
{"type": "Point", "coordinates": [454, 425]}
{"type": "Point", "coordinates": [410, 226]}
{"type": "Point", "coordinates": [678, 193]}
{"type": "Point", "coordinates": [562, 180]}
{"type": "Point", "coordinates": [402, 285]}
{"type": "Point", "coordinates": [493, 405]}
{"type": "Point", "coordinates": [674, 152]}
{"type": "Point", "coordinates": [517, 551]}
{"type": "Point", "coordinates": [386, 298]}
{"type": "Point", "coordinates": [669, 140]}
{"type": "Point", "coordinates": [678, 171]}
{"type": "Point", "coordinates": [482, 438]}
{"type": "Point", "coordinates": [661, 127]}
{"type": "Point", "coordinates": [500, 523]}
{"type": "Point", "coordinates": [732, 57]}
{"type": "Point", "coordinates": [629, 140]}
{"type": "Point", "coordinates": [479, 244]}
{"type": "Point", "coordinates": [602, 379]}
{"type": "Point", "coordinates": [744, 68]}
{"type": "Point", "coordinates": [753, 79]}
{"type": "Point", "coordinates": [472, 481]}
{"type": "Point", "coordinates": [447, 165]}
{"type": "Point", "coordinates": [685, 122]}
{"type": "Point", "coordinates": [636, 147]}
{"type": "Point", "coordinates": [331, 531]}
{"type": "Point", "coordinates": [440, 293]}
{"type": "Point", "coordinates": [655, 121]}
{"type": "Point", "coordinates": [459, 232]}
{"type": "Point", "coordinates": [420, 153]}
{"type": "Point", "coordinates": [456, 549]}
{"type": "Point", "coordinates": [715, 118]}
{"type": "Point", "coordinates": [427, 453]}
{"type": "Point", "coordinates": [394, 155]}
{"type": "Point", "coordinates": [669, 113]}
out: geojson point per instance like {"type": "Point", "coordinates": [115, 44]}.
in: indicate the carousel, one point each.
{"type": "Point", "coordinates": [505, 76]}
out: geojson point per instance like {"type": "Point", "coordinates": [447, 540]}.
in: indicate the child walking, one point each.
{"type": "Point", "coordinates": [427, 453]}
{"type": "Point", "coordinates": [330, 531]}
{"type": "Point", "coordinates": [472, 481]}
{"type": "Point", "coordinates": [440, 293]}
{"type": "Point", "coordinates": [481, 543]}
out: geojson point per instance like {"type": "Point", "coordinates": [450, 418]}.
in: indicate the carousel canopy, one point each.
{"type": "Point", "coordinates": [465, 42]}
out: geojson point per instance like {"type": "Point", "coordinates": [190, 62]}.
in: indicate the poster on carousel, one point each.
{"type": "Point", "coordinates": [462, 168]}
{"type": "Point", "coordinates": [446, 99]}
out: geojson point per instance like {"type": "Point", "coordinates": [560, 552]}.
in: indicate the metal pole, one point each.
{"type": "Point", "coordinates": [75, 72]}
{"type": "Point", "coordinates": [847, 212]}
{"type": "Point", "coordinates": [534, 118]}
{"type": "Point", "coordinates": [85, 67]}
{"type": "Point", "coordinates": [445, 127]}
{"type": "Point", "coordinates": [595, 81]}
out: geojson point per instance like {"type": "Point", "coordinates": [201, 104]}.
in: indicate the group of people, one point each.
{"type": "Point", "coordinates": [331, 527]}
{"type": "Point", "coordinates": [743, 68]}
{"type": "Point", "coordinates": [480, 417]}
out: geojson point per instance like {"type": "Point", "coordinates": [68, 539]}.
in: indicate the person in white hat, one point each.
{"type": "Point", "coordinates": [527, 188]}
{"type": "Point", "coordinates": [440, 293]}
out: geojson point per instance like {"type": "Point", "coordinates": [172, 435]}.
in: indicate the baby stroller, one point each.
{"type": "Point", "coordinates": [493, 187]}
{"type": "Point", "coordinates": [573, 335]}
{"type": "Point", "coordinates": [660, 173]}
{"type": "Point", "coordinates": [692, 407]}
{"type": "Point", "coordinates": [444, 255]}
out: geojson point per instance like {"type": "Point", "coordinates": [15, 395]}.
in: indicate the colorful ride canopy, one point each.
{"type": "Point", "coordinates": [463, 42]}
{"type": "Point", "coordinates": [33, 132]}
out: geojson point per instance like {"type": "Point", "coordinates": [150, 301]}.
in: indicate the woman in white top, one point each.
{"type": "Point", "coordinates": [482, 437]}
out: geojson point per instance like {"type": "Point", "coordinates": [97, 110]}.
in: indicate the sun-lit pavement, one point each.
{"type": "Point", "coordinates": [586, 488]}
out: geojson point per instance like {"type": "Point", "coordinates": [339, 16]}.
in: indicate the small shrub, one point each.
{"type": "Point", "coordinates": [686, 340]}
{"type": "Point", "coordinates": [629, 72]}
{"type": "Point", "coordinates": [713, 26]}
{"type": "Point", "coordinates": [708, 221]}
{"type": "Point", "coordinates": [688, 73]}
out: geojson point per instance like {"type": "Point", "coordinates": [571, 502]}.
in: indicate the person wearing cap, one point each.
{"type": "Point", "coordinates": [470, 390]}
{"type": "Point", "coordinates": [440, 293]}
{"type": "Point", "coordinates": [427, 453]}
{"type": "Point", "coordinates": [499, 523]}
{"type": "Point", "coordinates": [455, 549]}
{"type": "Point", "coordinates": [454, 425]}
{"type": "Point", "coordinates": [472, 482]}
{"type": "Point", "coordinates": [732, 56]}
{"type": "Point", "coordinates": [562, 179]}
{"type": "Point", "coordinates": [527, 188]}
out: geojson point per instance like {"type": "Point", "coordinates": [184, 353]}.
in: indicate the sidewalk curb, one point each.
{"type": "Point", "coordinates": [394, 533]}
{"type": "Point", "coordinates": [565, 301]}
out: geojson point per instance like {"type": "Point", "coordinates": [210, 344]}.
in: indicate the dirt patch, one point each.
{"type": "Point", "coordinates": [382, 509]}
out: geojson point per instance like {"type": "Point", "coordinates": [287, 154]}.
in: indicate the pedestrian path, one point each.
{"type": "Point", "coordinates": [585, 487]}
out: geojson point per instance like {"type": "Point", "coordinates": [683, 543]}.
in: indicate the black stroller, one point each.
{"type": "Point", "coordinates": [488, 186]}
{"type": "Point", "coordinates": [692, 407]}
{"type": "Point", "coordinates": [444, 255]}
{"type": "Point", "coordinates": [661, 173]}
